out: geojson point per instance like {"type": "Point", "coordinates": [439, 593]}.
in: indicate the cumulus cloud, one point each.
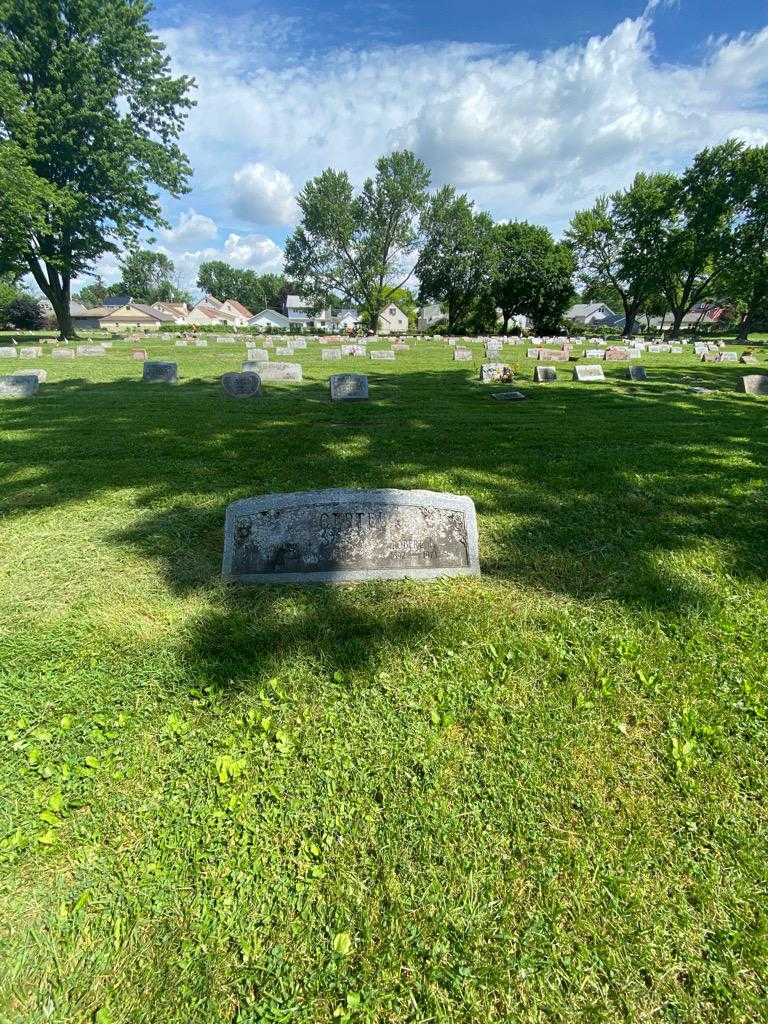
{"type": "Point", "coordinates": [531, 136]}
{"type": "Point", "coordinates": [252, 252]}
{"type": "Point", "coordinates": [192, 229]}
{"type": "Point", "coordinates": [263, 195]}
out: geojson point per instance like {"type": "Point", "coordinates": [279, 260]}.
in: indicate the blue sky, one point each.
{"type": "Point", "coordinates": [531, 107]}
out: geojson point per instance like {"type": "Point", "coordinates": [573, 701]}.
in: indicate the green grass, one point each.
{"type": "Point", "coordinates": [534, 796]}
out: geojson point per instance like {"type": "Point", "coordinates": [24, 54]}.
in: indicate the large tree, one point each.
{"type": "Point", "coordinates": [150, 277]}
{"type": "Point", "coordinates": [745, 266]}
{"type": "Point", "coordinates": [615, 242]}
{"type": "Point", "coordinates": [252, 290]}
{"type": "Point", "coordinates": [359, 247]}
{"type": "Point", "coordinates": [91, 110]}
{"type": "Point", "coordinates": [455, 263]}
{"type": "Point", "coordinates": [532, 274]}
{"type": "Point", "coordinates": [694, 229]}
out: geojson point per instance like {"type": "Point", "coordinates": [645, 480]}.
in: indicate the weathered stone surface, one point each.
{"type": "Point", "coordinates": [30, 352]}
{"type": "Point", "coordinates": [348, 387]}
{"type": "Point", "coordinates": [19, 385]}
{"type": "Point", "coordinates": [241, 385]}
{"type": "Point", "coordinates": [139, 354]}
{"type": "Point", "coordinates": [63, 353]}
{"type": "Point", "coordinates": [729, 357]}
{"type": "Point", "coordinates": [7, 352]}
{"type": "Point", "coordinates": [508, 396]}
{"type": "Point", "coordinates": [340, 536]}
{"type": "Point", "coordinates": [659, 349]}
{"type": "Point", "coordinates": [492, 372]}
{"type": "Point", "coordinates": [200, 343]}
{"type": "Point", "coordinates": [258, 355]}
{"type": "Point", "coordinates": [160, 372]}
{"type": "Point", "coordinates": [299, 343]}
{"type": "Point", "coordinates": [616, 354]}
{"type": "Point", "coordinates": [754, 384]}
{"type": "Point", "coordinates": [544, 374]}
{"type": "Point", "coordinates": [710, 357]}
{"type": "Point", "coordinates": [353, 350]}
{"type": "Point", "coordinates": [555, 355]}
{"type": "Point", "coordinates": [280, 371]}
{"type": "Point", "coordinates": [594, 353]}
{"type": "Point", "coordinates": [382, 353]}
{"type": "Point", "coordinates": [531, 353]}
{"type": "Point", "coordinates": [636, 373]}
{"type": "Point", "coordinates": [462, 354]}
{"type": "Point", "coordinates": [331, 353]}
{"type": "Point", "coordinates": [400, 346]}
{"type": "Point", "coordinates": [586, 374]}
{"type": "Point", "coordinates": [91, 350]}
{"type": "Point", "coordinates": [253, 365]}
{"type": "Point", "coordinates": [748, 359]}
{"type": "Point", "coordinates": [284, 350]}
{"type": "Point", "coordinates": [41, 375]}
{"type": "Point", "coordinates": [181, 343]}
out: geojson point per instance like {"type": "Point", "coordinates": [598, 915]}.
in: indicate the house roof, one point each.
{"type": "Point", "coordinates": [239, 307]}
{"type": "Point", "coordinates": [153, 314]}
{"type": "Point", "coordinates": [273, 314]}
{"type": "Point", "coordinates": [586, 309]}
{"type": "Point", "coordinates": [209, 300]}
{"type": "Point", "coordinates": [95, 313]}
{"type": "Point", "coordinates": [178, 308]}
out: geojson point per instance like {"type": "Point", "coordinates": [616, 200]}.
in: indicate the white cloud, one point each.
{"type": "Point", "coordinates": [528, 136]}
{"type": "Point", "coordinates": [253, 252]}
{"type": "Point", "coordinates": [263, 195]}
{"type": "Point", "coordinates": [192, 229]}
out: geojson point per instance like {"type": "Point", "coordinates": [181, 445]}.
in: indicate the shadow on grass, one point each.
{"type": "Point", "coordinates": [578, 491]}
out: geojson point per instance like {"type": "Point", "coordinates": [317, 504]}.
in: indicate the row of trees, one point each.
{"type": "Point", "coordinates": [671, 241]}
{"type": "Point", "coordinates": [365, 247]}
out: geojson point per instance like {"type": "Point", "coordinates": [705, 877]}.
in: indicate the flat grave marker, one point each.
{"type": "Point", "coordinates": [91, 350]}
{"type": "Point", "coordinates": [461, 354]}
{"type": "Point", "coordinates": [382, 353]}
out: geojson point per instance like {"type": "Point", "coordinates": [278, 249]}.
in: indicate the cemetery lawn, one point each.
{"type": "Point", "coordinates": [534, 796]}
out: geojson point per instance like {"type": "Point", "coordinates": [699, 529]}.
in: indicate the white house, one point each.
{"type": "Point", "coordinates": [209, 310]}
{"type": "Point", "coordinates": [300, 312]}
{"type": "Point", "coordinates": [269, 319]}
{"type": "Point", "coordinates": [392, 320]}
{"type": "Point", "coordinates": [589, 313]}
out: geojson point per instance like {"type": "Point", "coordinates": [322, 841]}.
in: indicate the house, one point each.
{"type": "Point", "coordinates": [392, 320]}
{"type": "Point", "coordinates": [88, 319]}
{"type": "Point", "coordinates": [179, 310]}
{"type": "Point", "coordinates": [343, 320]}
{"type": "Point", "coordinates": [301, 313]}
{"type": "Point", "coordinates": [237, 310]}
{"type": "Point", "coordinates": [270, 319]}
{"type": "Point", "coordinates": [209, 310]}
{"type": "Point", "coordinates": [589, 313]}
{"type": "Point", "coordinates": [135, 314]}
{"type": "Point", "coordinates": [430, 315]}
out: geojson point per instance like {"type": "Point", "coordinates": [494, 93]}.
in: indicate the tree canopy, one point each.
{"type": "Point", "coordinates": [252, 290]}
{"type": "Point", "coordinates": [90, 116]}
{"type": "Point", "coordinates": [359, 247]}
{"type": "Point", "coordinates": [531, 274]}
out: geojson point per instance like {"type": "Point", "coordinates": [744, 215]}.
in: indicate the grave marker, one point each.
{"type": "Point", "coordinates": [63, 353]}
{"type": "Point", "coordinates": [241, 385]}
{"type": "Point", "coordinates": [30, 352]}
{"type": "Point", "coordinates": [7, 352]}
{"type": "Point", "coordinates": [544, 374]}
{"type": "Point", "coordinates": [341, 536]}
{"type": "Point", "coordinates": [280, 371]}
{"type": "Point", "coordinates": [160, 373]}
{"type": "Point", "coordinates": [40, 375]}
{"type": "Point", "coordinates": [348, 387]}
{"type": "Point", "coordinates": [636, 373]}
{"type": "Point", "coordinates": [461, 354]}
{"type": "Point", "coordinates": [330, 353]}
{"type": "Point", "coordinates": [492, 372]}
{"type": "Point", "coordinates": [382, 353]}
{"type": "Point", "coordinates": [588, 374]}
{"type": "Point", "coordinates": [91, 350]}
{"type": "Point", "coordinates": [19, 385]}
{"type": "Point", "coordinates": [754, 384]}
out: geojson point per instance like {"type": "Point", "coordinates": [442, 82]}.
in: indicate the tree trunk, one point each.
{"type": "Point", "coordinates": [57, 291]}
{"type": "Point", "coordinates": [630, 311]}
{"type": "Point", "coordinates": [677, 320]}
{"type": "Point", "coordinates": [506, 316]}
{"type": "Point", "coordinates": [63, 317]}
{"type": "Point", "coordinates": [745, 325]}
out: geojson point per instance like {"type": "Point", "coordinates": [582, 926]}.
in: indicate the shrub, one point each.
{"type": "Point", "coordinates": [25, 313]}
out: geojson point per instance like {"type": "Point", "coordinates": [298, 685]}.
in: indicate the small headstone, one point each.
{"type": "Point", "coordinates": [299, 343]}
{"type": "Point", "coordinates": [616, 354]}
{"type": "Point", "coordinates": [587, 374]}
{"type": "Point", "coordinates": [701, 391]}
{"type": "Point", "coordinates": [555, 355]}
{"type": "Point", "coordinates": [676, 350]}
{"type": "Point", "coordinates": [91, 350]}
{"type": "Point", "coordinates": [400, 346]}
{"type": "Point", "coordinates": [343, 536]}
{"type": "Point", "coordinates": [41, 375]}
{"type": "Point", "coordinates": [19, 385]}
{"type": "Point", "coordinates": [462, 354]}
{"type": "Point", "coordinates": [594, 353]}
{"type": "Point", "coordinates": [160, 372]}
{"type": "Point", "coordinates": [258, 355]}
{"type": "Point", "coordinates": [284, 350]}
{"type": "Point", "coordinates": [348, 387]}
{"type": "Point", "coordinates": [280, 371]}
{"type": "Point", "coordinates": [181, 343]}
{"type": "Point", "coordinates": [493, 372]}
{"type": "Point", "coordinates": [710, 357]}
{"type": "Point", "coordinates": [531, 353]}
{"type": "Point", "coordinates": [508, 396]}
{"type": "Point", "coordinates": [241, 385]}
{"type": "Point", "coordinates": [636, 373]}
{"type": "Point", "coordinates": [63, 353]}
{"type": "Point", "coordinates": [382, 353]}
{"type": "Point", "coordinates": [139, 354]}
{"type": "Point", "coordinates": [7, 352]}
{"type": "Point", "coordinates": [544, 374]}
{"type": "Point", "coordinates": [331, 353]}
{"type": "Point", "coordinates": [353, 350]}
{"type": "Point", "coordinates": [754, 384]}
{"type": "Point", "coordinates": [748, 359]}
{"type": "Point", "coordinates": [30, 352]}
{"type": "Point", "coordinates": [729, 357]}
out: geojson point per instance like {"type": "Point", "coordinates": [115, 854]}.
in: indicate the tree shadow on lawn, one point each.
{"type": "Point", "coordinates": [578, 490]}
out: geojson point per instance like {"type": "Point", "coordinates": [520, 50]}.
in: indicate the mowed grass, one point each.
{"type": "Point", "coordinates": [534, 796]}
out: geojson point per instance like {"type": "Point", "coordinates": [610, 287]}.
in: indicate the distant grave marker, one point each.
{"type": "Point", "coordinates": [330, 353]}
{"type": "Point", "coordinates": [7, 352]}
{"type": "Point", "coordinates": [62, 353]}
{"type": "Point", "coordinates": [30, 352]}
{"type": "Point", "coordinates": [91, 350]}
{"type": "Point", "coordinates": [382, 353]}
{"type": "Point", "coordinates": [280, 371]}
{"type": "Point", "coordinates": [462, 354]}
